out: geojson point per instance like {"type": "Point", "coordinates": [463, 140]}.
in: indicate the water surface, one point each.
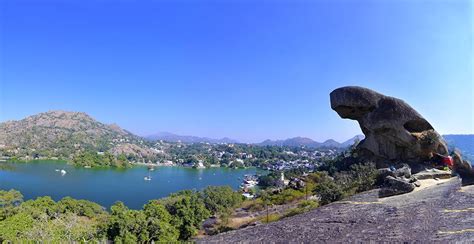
{"type": "Point", "coordinates": [106, 186]}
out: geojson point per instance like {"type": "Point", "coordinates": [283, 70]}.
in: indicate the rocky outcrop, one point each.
{"type": "Point", "coordinates": [393, 130]}
{"type": "Point", "coordinates": [437, 214]}
{"type": "Point", "coordinates": [463, 168]}
{"type": "Point", "coordinates": [433, 174]}
{"type": "Point", "coordinates": [396, 181]}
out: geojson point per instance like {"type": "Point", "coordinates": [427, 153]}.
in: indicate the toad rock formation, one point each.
{"type": "Point", "coordinates": [394, 131]}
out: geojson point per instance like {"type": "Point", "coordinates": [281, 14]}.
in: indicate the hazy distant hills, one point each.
{"type": "Point", "coordinates": [291, 142]}
{"type": "Point", "coordinates": [307, 142]}
{"type": "Point", "coordinates": [170, 137]}
{"type": "Point", "coordinates": [465, 143]}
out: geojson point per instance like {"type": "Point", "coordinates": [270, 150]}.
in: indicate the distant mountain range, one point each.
{"type": "Point", "coordinates": [291, 142]}
{"type": "Point", "coordinates": [170, 137]}
{"type": "Point", "coordinates": [307, 142]}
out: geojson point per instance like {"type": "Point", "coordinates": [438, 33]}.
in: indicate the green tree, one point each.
{"type": "Point", "coordinates": [127, 225]}
{"type": "Point", "coordinates": [159, 223]}
{"type": "Point", "coordinates": [328, 190]}
{"type": "Point", "coordinates": [8, 201]}
{"type": "Point", "coordinates": [188, 211]}
{"type": "Point", "coordinates": [15, 227]}
{"type": "Point", "coordinates": [220, 199]}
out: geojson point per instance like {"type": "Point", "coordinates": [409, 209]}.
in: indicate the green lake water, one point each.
{"type": "Point", "coordinates": [106, 186]}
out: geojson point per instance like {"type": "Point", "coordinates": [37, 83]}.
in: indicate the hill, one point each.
{"type": "Point", "coordinates": [62, 134]}
{"type": "Point", "coordinates": [307, 142]}
{"type": "Point", "coordinates": [438, 213]}
{"type": "Point", "coordinates": [170, 137]}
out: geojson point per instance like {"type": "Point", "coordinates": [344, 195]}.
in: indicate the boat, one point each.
{"type": "Point", "coordinates": [147, 178]}
{"type": "Point", "coordinates": [57, 170]}
{"type": "Point", "coordinates": [63, 172]}
{"type": "Point", "coordinates": [249, 181]}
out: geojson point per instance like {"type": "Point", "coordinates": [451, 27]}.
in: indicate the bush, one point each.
{"type": "Point", "coordinates": [328, 190]}
{"type": "Point", "coordinates": [220, 199]}
{"type": "Point", "coordinates": [271, 218]}
{"type": "Point", "coordinates": [286, 196]}
{"type": "Point", "coordinates": [364, 176]}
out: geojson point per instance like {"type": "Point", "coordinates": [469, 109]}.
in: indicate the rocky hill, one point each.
{"type": "Point", "coordinates": [61, 134]}
{"type": "Point", "coordinates": [405, 207]}
{"type": "Point", "coordinates": [441, 213]}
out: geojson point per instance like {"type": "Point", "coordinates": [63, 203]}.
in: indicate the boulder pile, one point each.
{"type": "Point", "coordinates": [397, 181]}
{"type": "Point", "coordinates": [397, 138]}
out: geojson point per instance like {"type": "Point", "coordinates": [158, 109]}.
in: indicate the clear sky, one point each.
{"type": "Point", "coordinates": [248, 70]}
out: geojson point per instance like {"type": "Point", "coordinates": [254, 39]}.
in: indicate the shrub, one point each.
{"type": "Point", "coordinates": [328, 190]}
{"type": "Point", "coordinates": [270, 218]}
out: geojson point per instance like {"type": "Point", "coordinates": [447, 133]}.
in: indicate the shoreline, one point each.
{"type": "Point", "coordinates": [132, 164]}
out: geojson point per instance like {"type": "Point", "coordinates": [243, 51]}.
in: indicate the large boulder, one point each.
{"type": "Point", "coordinates": [394, 131]}
{"type": "Point", "coordinates": [396, 181]}
{"type": "Point", "coordinates": [463, 168]}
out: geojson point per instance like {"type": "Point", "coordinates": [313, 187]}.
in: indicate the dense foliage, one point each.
{"type": "Point", "coordinates": [91, 159]}
{"type": "Point", "coordinates": [177, 217]}
{"type": "Point", "coordinates": [357, 178]}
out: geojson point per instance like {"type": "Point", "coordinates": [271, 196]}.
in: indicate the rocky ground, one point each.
{"type": "Point", "coordinates": [442, 212]}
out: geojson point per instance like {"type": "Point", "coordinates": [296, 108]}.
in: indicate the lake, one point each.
{"type": "Point", "coordinates": [106, 186]}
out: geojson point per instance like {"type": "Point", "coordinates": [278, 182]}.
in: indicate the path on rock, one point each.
{"type": "Point", "coordinates": [443, 212]}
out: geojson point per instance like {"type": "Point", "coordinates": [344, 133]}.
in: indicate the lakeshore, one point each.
{"type": "Point", "coordinates": [108, 185]}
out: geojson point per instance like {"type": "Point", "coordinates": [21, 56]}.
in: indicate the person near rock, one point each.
{"type": "Point", "coordinates": [443, 161]}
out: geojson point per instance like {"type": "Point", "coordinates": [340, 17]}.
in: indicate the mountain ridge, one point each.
{"type": "Point", "coordinates": [171, 137]}
{"type": "Point", "coordinates": [307, 142]}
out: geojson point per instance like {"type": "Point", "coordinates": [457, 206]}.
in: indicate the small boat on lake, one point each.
{"type": "Point", "coordinates": [57, 170]}
{"type": "Point", "coordinates": [63, 172]}
{"type": "Point", "coordinates": [147, 178]}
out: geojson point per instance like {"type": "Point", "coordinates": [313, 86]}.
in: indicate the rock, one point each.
{"type": "Point", "coordinates": [394, 131]}
{"type": "Point", "coordinates": [404, 171]}
{"type": "Point", "coordinates": [383, 174]}
{"type": "Point", "coordinates": [463, 168]}
{"type": "Point", "coordinates": [417, 183]}
{"type": "Point", "coordinates": [395, 186]}
{"type": "Point", "coordinates": [433, 173]}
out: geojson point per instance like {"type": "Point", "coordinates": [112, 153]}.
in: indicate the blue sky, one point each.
{"type": "Point", "coordinates": [248, 70]}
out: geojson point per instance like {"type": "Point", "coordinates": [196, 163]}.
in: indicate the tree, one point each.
{"type": "Point", "coordinates": [188, 211]}
{"type": "Point", "coordinates": [159, 223]}
{"type": "Point", "coordinates": [14, 228]}
{"type": "Point", "coordinates": [8, 201]}
{"type": "Point", "coordinates": [127, 225]}
{"type": "Point", "coordinates": [220, 199]}
{"type": "Point", "coordinates": [328, 190]}
{"type": "Point", "coordinates": [79, 207]}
